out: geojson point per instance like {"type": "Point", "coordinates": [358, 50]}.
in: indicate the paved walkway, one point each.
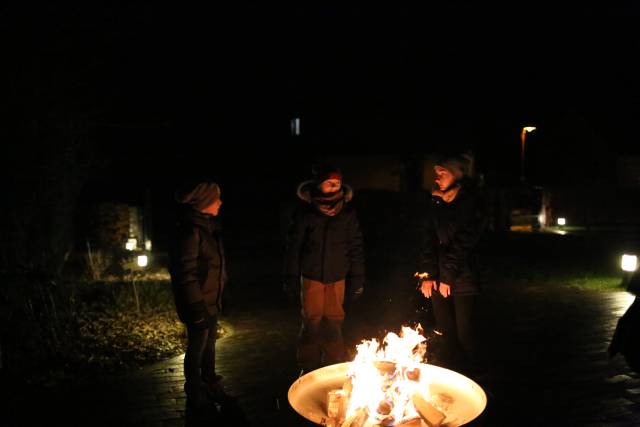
{"type": "Point", "coordinates": [547, 351]}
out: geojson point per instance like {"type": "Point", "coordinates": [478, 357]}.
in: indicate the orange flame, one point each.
{"type": "Point", "coordinates": [384, 378]}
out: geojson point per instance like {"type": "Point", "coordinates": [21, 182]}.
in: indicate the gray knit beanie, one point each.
{"type": "Point", "coordinates": [200, 196]}
{"type": "Point", "coordinates": [456, 165]}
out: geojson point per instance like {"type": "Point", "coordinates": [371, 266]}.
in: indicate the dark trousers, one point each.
{"type": "Point", "coordinates": [200, 358]}
{"type": "Point", "coordinates": [320, 341]}
{"type": "Point", "coordinates": [454, 319]}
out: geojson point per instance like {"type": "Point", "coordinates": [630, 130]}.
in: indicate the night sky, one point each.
{"type": "Point", "coordinates": [184, 84]}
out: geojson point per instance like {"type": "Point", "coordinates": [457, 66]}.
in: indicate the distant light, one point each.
{"type": "Point", "coordinates": [629, 262]}
{"type": "Point", "coordinates": [131, 244]}
{"type": "Point", "coordinates": [542, 219]}
{"type": "Point", "coordinates": [529, 128]}
{"type": "Point", "coordinates": [147, 245]}
{"type": "Point", "coordinates": [295, 126]}
{"type": "Point", "coordinates": [562, 221]}
{"type": "Point", "coordinates": [143, 260]}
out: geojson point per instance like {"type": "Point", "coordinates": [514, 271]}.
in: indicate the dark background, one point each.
{"type": "Point", "coordinates": [105, 100]}
{"type": "Point", "coordinates": [169, 80]}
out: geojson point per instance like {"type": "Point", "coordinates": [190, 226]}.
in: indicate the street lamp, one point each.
{"type": "Point", "coordinates": [523, 136]}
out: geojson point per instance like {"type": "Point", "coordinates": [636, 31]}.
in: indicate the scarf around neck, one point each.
{"type": "Point", "coordinates": [327, 204]}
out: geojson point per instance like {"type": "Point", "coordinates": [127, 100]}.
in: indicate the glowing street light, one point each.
{"type": "Point", "coordinates": [523, 137]}
{"type": "Point", "coordinates": [562, 221]}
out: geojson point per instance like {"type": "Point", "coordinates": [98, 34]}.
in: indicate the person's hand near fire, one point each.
{"type": "Point", "coordinates": [428, 286]}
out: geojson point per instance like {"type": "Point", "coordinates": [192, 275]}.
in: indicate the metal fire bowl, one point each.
{"type": "Point", "coordinates": [308, 395]}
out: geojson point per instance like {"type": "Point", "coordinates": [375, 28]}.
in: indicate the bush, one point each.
{"type": "Point", "coordinates": [86, 327]}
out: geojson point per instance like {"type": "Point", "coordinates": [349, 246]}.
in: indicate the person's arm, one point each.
{"type": "Point", "coordinates": [293, 246]}
{"type": "Point", "coordinates": [428, 255]}
{"type": "Point", "coordinates": [355, 253]}
{"type": "Point", "coordinates": [187, 274]}
{"type": "Point", "coordinates": [464, 240]}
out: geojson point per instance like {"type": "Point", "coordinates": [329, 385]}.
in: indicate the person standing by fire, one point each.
{"type": "Point", "coordinates": [447, 264]}
{"type": "Point", "coordinates": [324, 261]}
{"type": "Point", "coordinates": [198, 276]}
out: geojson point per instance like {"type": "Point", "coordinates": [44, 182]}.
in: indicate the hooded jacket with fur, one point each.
{"type": "Point", "coordinates": [324, 241]}
{"type": "Point", "coordinates": [198, 272]}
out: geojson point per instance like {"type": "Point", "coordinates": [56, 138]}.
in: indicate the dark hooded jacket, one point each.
{"type": "Point", "coordinates": [323, 247]}
{"type": "Point", "coordinates": [197, 264]}
{"type": "Point", "coordinates": [450, 235]}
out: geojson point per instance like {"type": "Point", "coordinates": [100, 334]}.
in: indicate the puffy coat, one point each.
{"type": "Point", "coordinates": [450, 235]}
{"type": "Point", "coordinates": [324, 248]}
{"type": "Point", "coordinates": [197, 264]}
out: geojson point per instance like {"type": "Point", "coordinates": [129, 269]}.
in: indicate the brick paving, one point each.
{"type": "Point", "coordinates": [546, 351]}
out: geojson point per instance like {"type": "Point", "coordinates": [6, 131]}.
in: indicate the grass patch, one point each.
{"type": "Point", "coordinates": [597, 283]}
{"type": "Point", "coordinates": [513, 273]}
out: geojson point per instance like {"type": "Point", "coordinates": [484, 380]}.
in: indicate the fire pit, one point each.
{"type": "Point", "coordinates": [308, 395]}
{"type": "Point", "coordinates": [386, 387]}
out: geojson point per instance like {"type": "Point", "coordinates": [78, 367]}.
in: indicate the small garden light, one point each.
{"type": "Point", "coordinates": [562, 221]}
{"type": "Point", "coordinates": [143, 260]}
{"type": "Point", "coordinates": [629, 263]}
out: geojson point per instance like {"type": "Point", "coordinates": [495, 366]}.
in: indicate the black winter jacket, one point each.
{"type": "Point", "coordinates": [324, 248]}
{"type": "Point", "coordinates": [197, 264]}
{"type": "Point", "coordinates": [450, 235]}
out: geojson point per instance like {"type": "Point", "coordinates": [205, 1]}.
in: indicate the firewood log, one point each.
{"type": "Point", "coordinates": [415, 422]}
{"type": "Point", "coordinates": [413, 374]}
{"type": "Point", "coordinates": [347, 386]}
{"type": "Point", "coordinates": [384, 408]}
{"type": "Point", "coordinates": [429, 414]}
{"type": "Point", "coordinates": [357, 419]}
{"type": "Point", "coordinates": [334, 403]}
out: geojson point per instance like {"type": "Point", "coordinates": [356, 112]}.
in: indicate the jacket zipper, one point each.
{"type": "Point", "coordinates": [324, 245]}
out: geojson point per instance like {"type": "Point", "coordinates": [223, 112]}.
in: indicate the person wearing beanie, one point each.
{"type": "Point", "coordinates": [447, 265]}
{"type": "Point", "coordinates": [327, 174]}
{"type": "Point", "coordinates": [198, 276]}
{"type": "Point", "coordinates": [455, 165]}
{"type": "Point", "coordinates": [324, 261]}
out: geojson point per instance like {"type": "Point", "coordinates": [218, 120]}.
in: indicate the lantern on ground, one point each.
{"type": "Point", "coordinates": [629, 263]}
{"type": "Point", "coordinates": [143, 260]}
{"type": "Point", "coordinates": [131, 244]}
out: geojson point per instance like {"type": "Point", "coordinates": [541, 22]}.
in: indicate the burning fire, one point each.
{"type": "Point", "coordinates": [384, 385]}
